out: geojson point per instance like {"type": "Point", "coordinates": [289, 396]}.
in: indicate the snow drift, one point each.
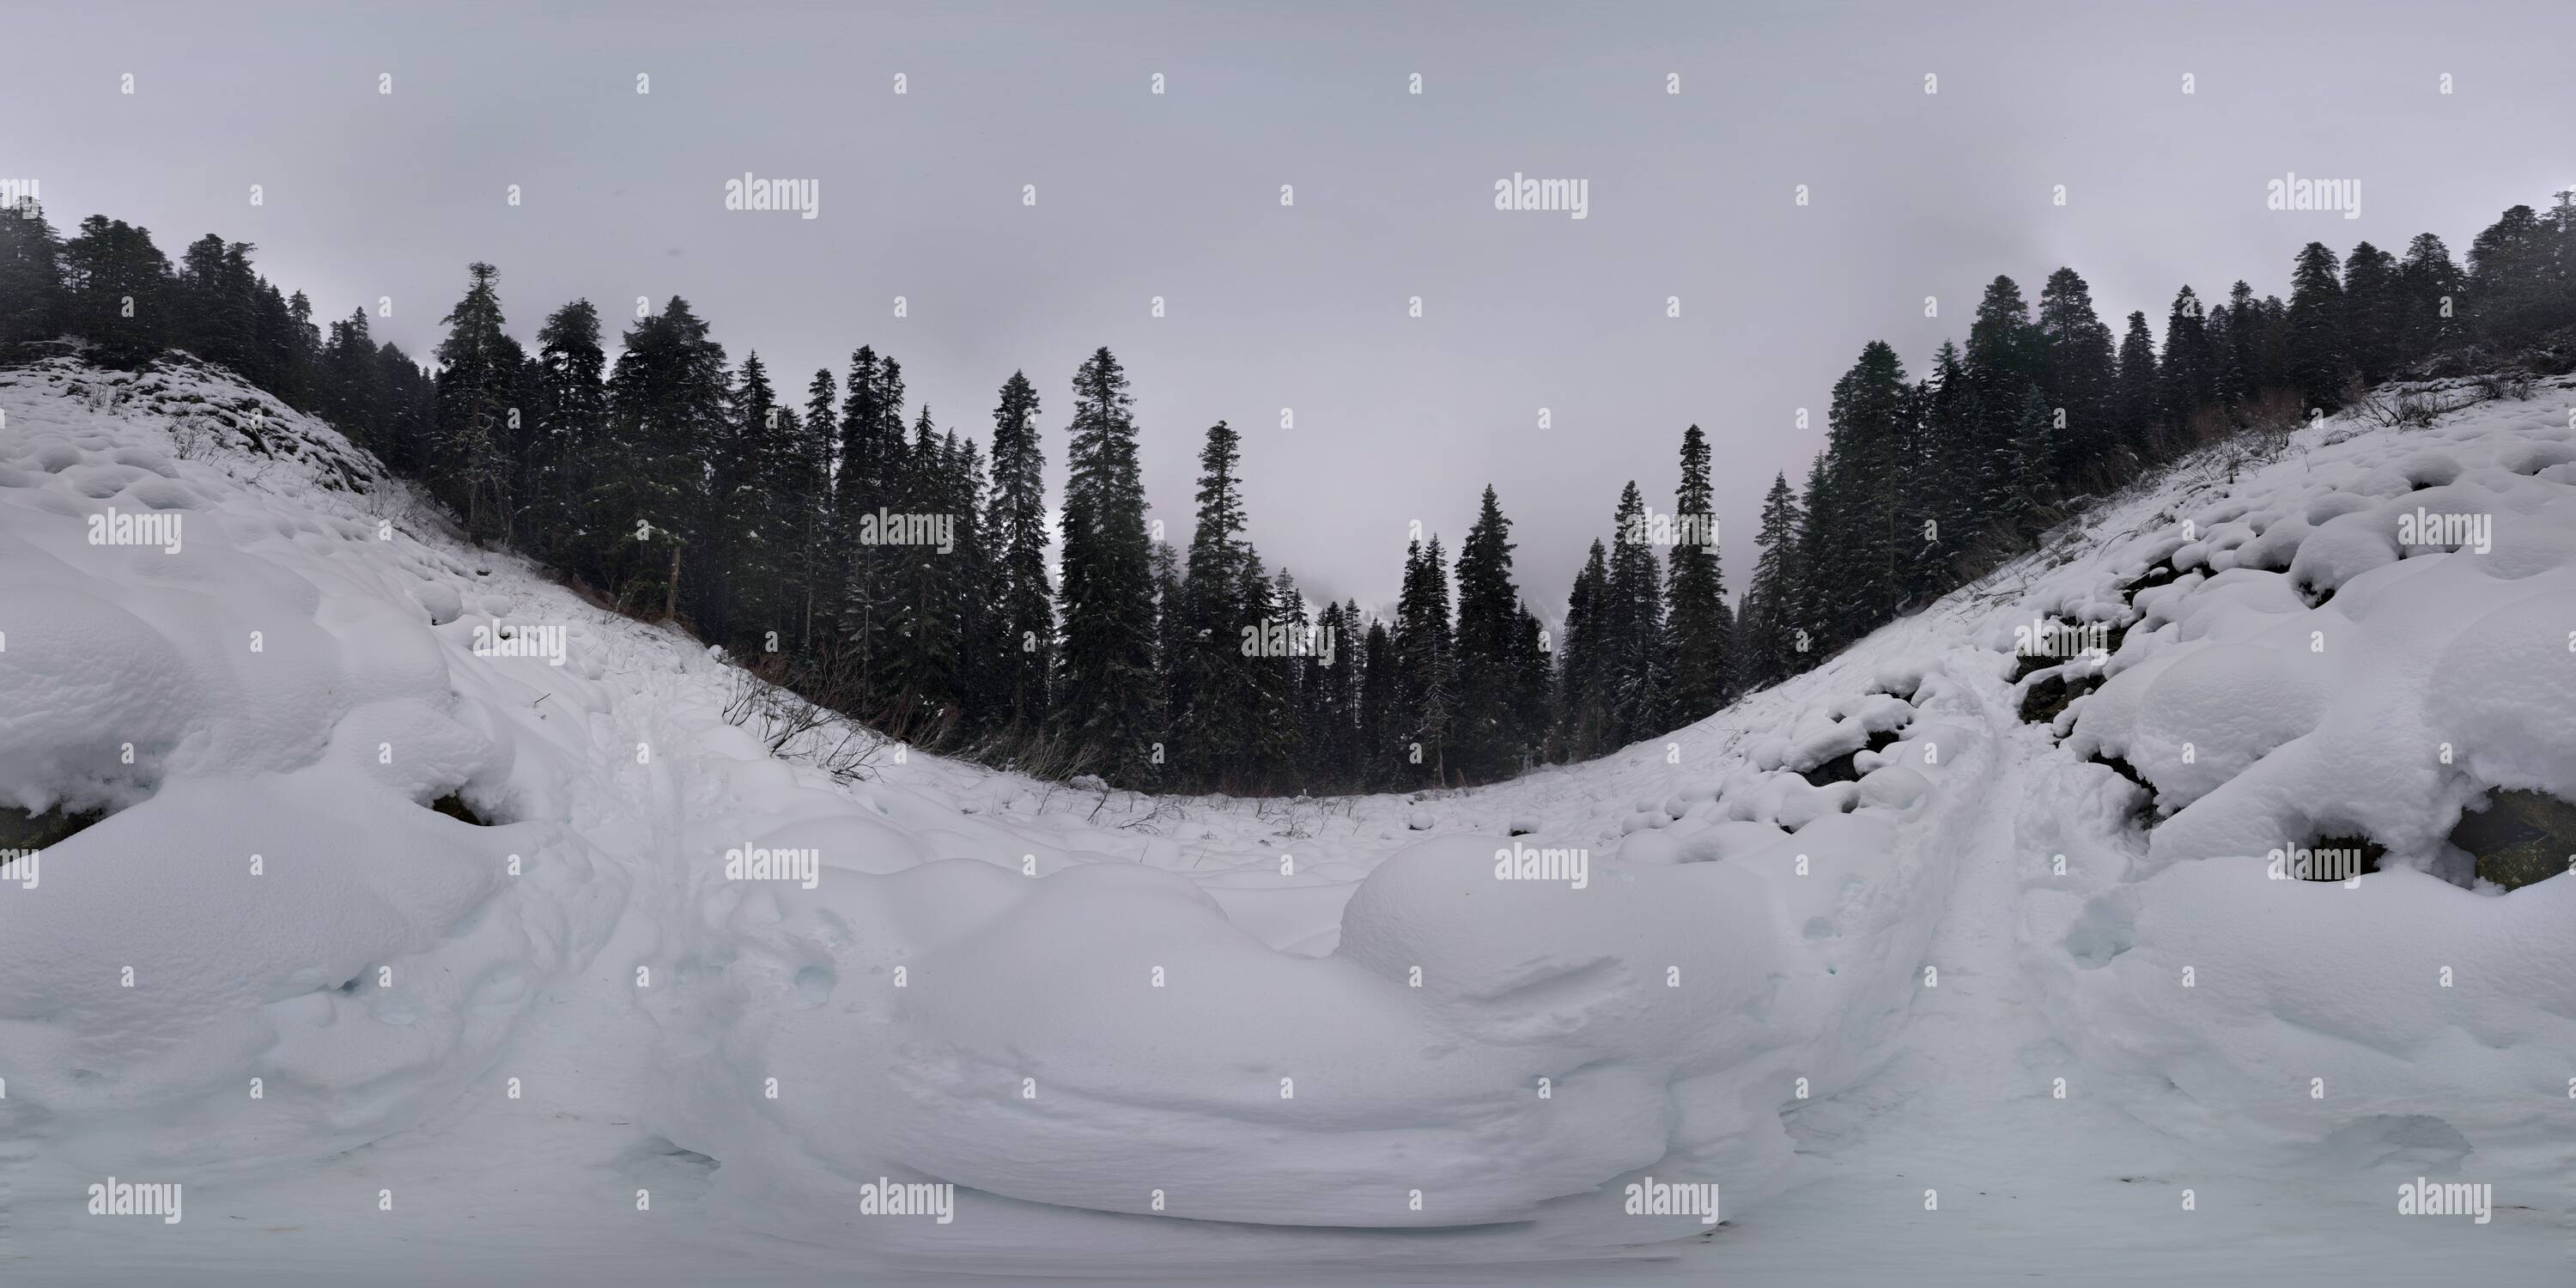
{"type": "Point", "coordinates": [373, 897]}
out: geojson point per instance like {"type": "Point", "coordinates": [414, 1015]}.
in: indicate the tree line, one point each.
{"type": "Point", "coordinates": [852, 548]}
{"type": "Point", "coordinates": [1926, 484]}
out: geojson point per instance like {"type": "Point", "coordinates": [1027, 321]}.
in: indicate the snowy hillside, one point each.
{"type": "Point", "coordinates": [409, 920]}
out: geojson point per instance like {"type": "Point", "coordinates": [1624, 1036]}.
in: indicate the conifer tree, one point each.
{"type": "Point", "coordinates": [115, 289]}
{"type": "Point", "coordinates": [922, 609]}
{"type": "Point", "coordinates": [2428, 289]}
{"type": "Point", "coordinates": [1585, 721]}
{"type": "Point", "coordinates": [2003, 344]}
{"type": "Point", "coordinates": [2082, 376]}
{"type": "Point", "coordinates": [215, 304]}
{"type": "Point", "coordinates": [287, 331]}
{"type": "Point", "coordinates": [1264, 758]}
{"type": "Point", "coordinates": [1332, 699]}
{"type": "Point", "coordinates": [30, 275]}
{"type": "Point", "coordinates": [2021, 488]}
{"type": "Point", "coordinates": [1490, 736]}
{"type": "Point", "coordinates": [1426, 680]}
{"type": "Point", "coordinates": [1170, 625]}
{"type": "Point", "coordinates": [1024, 600]}
{"type": "Point", "coordinates": [564, 452]}
{"type": "Point", "coordinates": [868, 486]}
{"type": "Point", "coordinates": [1285, 682]}
{"type": "Point", "coordinates": [2517, 274]}
{"type": "Point", "coordinates": [1533, 683]}
{"type": "Point", "coordinates": [407, 407]}
{"type": "Point", "coordinates": [1211, 677]}
{"type": "Point", "coordinates": [974, 579]}
{"type": "Point", "coordinates": [1377, 716]}
{"type": "Point", "coordinates": [742, 534]}
{"type": "Point", "coordinates": [2140, 383]}
{"type": "Point", "coordinates": [2371, 312]}
{"type": "Point", "coordinates": [2188, 369]}
{"type": "Point", "coordinates": [1773, 599]}
{"type": "Point", "coordinates": [1859, 522]}
{"type": "Point", "coordinates": [666, 399]}
{"type": "Point", "coordinates": [1106, 672]}
{"type": "Point", "coordinates": [2239, 352]}
{"type": "Point", "coordinates": [1639, 668]}
{"type": "Point", "coordinates": [2314, 346]}
{"type": "Point", "coordinates": [1701, 625]}
{"type": "Point", "coordinates": [354, 397]}
{"type": "Point", "coordinates": [800, 490]}
{"type": "Point", "coordinates": [478, 380]}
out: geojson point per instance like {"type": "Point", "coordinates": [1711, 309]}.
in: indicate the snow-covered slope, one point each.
{"type": "Point", "coordinates": [1828, 951]}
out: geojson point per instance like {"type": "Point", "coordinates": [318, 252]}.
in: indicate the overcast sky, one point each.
{"type": "Point", "coordinates": [1306, 306]}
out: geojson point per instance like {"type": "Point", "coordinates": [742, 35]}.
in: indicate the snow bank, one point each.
{"type": "Point", "coordinates": [1221, 1033]}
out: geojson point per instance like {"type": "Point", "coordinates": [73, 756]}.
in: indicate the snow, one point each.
{"type": "Point", "coordinates": [1437, 1035]}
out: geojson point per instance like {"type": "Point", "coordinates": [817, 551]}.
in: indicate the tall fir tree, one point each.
{"type": "Point", "coordinates": [2188, 368]}
{"type": "Point", "coordinates": [1212, 719]}
{"type": "Point", "coordinates": [1106, 702]}
{"type": "Point", "coordinates": [1490, 735]}
{"type": "Point", "coordinates": [1426, 679]}
{"type": "Point", "coordinates": [741, 532]}
{"type": "Point", "coordinates": [478, 380]}
{"type": "Point", "coordinates": [1775, 629]}
{"type": "Point", "coordinates": [1637, 661]}
{"type": "Point", "coordinates": [2082, 375]}
{"type": "Point", "coordinates": [1024, 598]}
{"type": "Point", "coordinates": [2428, 291]}
{"type": "Point", "coordinates": [868, 485]}
{"type": "Point", "coordinates": [572, 415]}
{"type": "Point", "coordinates": [800, 490]}
{"type": "Point", "coordinates": [2371, 318]}
{"type": "Point", "coordinates": [666, 401]}
{"type": "Point", "coordinates": [1586, 724]}
{"type": "Point", "coordinates": [2140, 381]}
{"type": "Point", "coordinates": [1377, 736]}
{"type": "Point", "coordinates": [1701, 625]}
{"type": "Point", "coordinates": [2314, 346]}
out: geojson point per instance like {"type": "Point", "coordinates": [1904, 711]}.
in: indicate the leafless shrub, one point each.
{"type": "Point", "coordinates": [848, 751]}
{"type": "Point", "coordinates": [1294, 818]}
{"type": "Point", "coordinates": [1153, 822]}
{"type": "Point", "coordinates": [2417, 406]}
{"type": "Point", "coordinates": [795, 727]}
{"type": "Point", "coordinates": [2495, 385]}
